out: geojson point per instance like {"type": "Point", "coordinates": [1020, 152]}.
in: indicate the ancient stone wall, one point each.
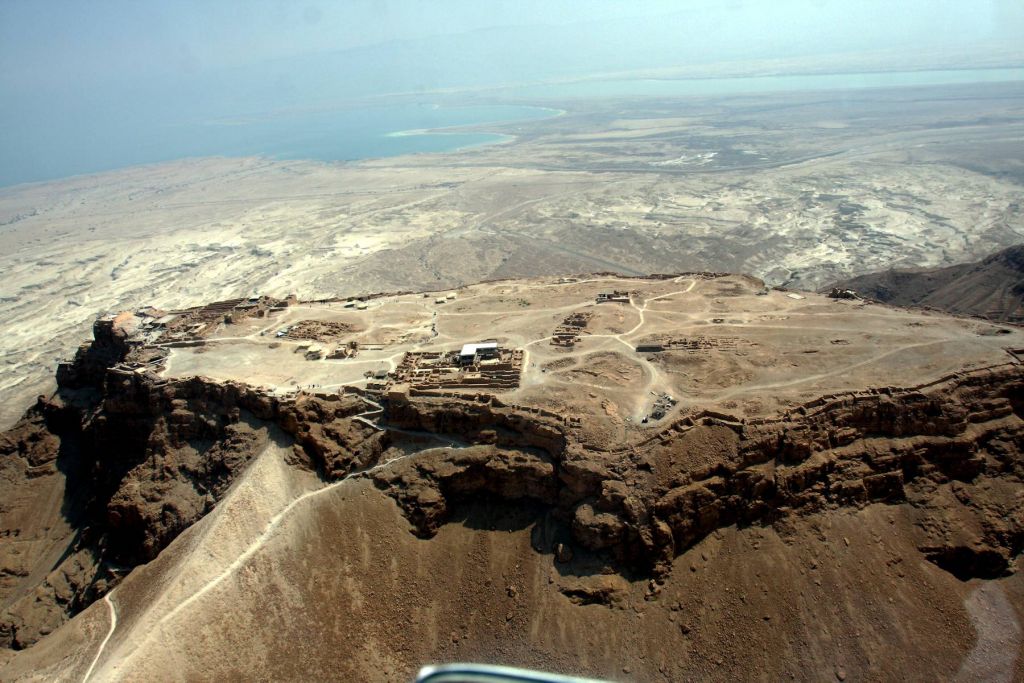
{"type": "Point", "coordinates": [146, 457]}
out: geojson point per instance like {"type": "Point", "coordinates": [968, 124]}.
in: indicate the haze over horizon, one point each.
{"type": "Point", "coordinates": [84, 81]}
{"type": "Point", "coordinates": [678, 339]}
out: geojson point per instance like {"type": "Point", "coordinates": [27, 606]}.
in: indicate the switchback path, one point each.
{"type": "Point", "coordinates": [254, 547]}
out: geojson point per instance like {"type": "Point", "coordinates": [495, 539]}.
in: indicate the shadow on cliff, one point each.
{"type": "Point", "coordinates": [550, 535]}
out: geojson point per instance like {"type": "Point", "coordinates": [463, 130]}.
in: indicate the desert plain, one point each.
{"type": "Point", "coordinates": [799, 189]}
{"type": "Point", "coordinates": [716, 472]}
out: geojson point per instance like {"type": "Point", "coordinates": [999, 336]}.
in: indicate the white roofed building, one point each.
{"type": "Point", "coordinates": [469, 352]}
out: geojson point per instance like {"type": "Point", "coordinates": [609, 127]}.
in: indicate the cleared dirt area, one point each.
{"type": "Point", "coordinates": [728, 344]}
{"type": "Point", "coordinates": [802, 189]}
{"type": "Point", "coordinates": [766, 460]}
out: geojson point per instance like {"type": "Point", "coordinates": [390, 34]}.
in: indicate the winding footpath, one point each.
{"type": "Point", "coordinates": [257, 543]}
{"type": "Point", "coordinates": [275, 522]}
{"type": "Point", "coordinates": [112, 611]}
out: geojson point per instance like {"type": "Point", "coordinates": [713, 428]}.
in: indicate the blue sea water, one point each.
{"type": "Point", "coordinates": [52, 150]}
{"type": "Point", "coordinates": [358, 133]}
{"type": "Point", "coordinates": [48, 142]}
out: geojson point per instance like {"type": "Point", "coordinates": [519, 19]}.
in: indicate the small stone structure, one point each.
{"type": "Point", "coordinates": [482, 365]}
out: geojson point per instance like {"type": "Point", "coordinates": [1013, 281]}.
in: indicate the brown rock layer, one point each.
{"type": "Point", "coordinates": [953, 451]}
{"type": "Point", "coordinates": [137, 460]}
{"type": "Point", "coordinates": [132, 460]}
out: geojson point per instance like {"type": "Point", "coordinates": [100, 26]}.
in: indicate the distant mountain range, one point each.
{"type": "Point", "coordinates": [992, 288]}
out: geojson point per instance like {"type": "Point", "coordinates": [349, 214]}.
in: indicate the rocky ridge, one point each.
{"type": "Point", "coordinates": [952, 450]}
{"type": "Point", "coordinates": [139, 458]}
{"type": "Point", "coordinates": [991, 288]}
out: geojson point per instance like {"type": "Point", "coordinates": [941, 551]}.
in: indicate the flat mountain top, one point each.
{"type": "Point", "coordinates": [657, 478]}
{"type": "Point", "coordinates": [621, 353]}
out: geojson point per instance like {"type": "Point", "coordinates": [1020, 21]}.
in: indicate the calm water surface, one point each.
{"type": "Point", "coordinates": [55, 148]}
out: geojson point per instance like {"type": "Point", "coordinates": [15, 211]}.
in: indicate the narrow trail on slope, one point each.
{"type": "Point", "coordinates": [112, 610]}
{"type": "Point", "coordinates": [251, 550]}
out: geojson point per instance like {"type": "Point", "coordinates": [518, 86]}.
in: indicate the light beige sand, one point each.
{"type": "Point", "coordinates": [180, 233]}
{"type": "Point", "coordinates": [769, 352]}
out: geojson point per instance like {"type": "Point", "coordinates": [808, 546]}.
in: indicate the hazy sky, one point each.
{"type": "Point", "coordinates": [74, 72]}
{"type": "Point", "coordinates": [40, 38]}
{"type": "Point", "coordinates": [52, 42]}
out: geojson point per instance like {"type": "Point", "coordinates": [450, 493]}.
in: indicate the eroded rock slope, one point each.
{"type": "Point", "coordinates": [133, 461]}
{"type": "Point", "coordinates": [953, 451]}
{"type": "Point", "coordinates": [128, 460]}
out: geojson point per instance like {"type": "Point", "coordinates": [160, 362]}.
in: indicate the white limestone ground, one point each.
{"type": "Point", "coordinates": [175, 234]}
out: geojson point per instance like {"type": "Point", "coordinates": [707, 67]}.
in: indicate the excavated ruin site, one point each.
{"type": "Point", "coordinates": [680, 477]}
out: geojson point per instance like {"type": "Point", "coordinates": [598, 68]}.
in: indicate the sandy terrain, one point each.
{"type": "Point", "coordinates": [799, 189]}
{"type": "Point", "coordinates": [334, 587]}
{"type": "Point", "coordinates": [298, 574]}
{"type": "Point", "coordinates": [754, 355]}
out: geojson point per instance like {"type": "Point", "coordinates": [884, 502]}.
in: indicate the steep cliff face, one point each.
{"type": "Point", "coordinates": [131, 461]}
{"type": "Point", "coordinates": [953, 451]}
{"type": "Point", "coordinates": [108, 347]}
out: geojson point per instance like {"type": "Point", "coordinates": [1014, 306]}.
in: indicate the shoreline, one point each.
{"type": "Point", "coordinates": [505, 95]}
{"type": "Point", "coordinates": [461, 128]}
{"type": "Point", "coordinates": [668, 86]}
{"type": "Point", "coordinates": [477, 128]}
